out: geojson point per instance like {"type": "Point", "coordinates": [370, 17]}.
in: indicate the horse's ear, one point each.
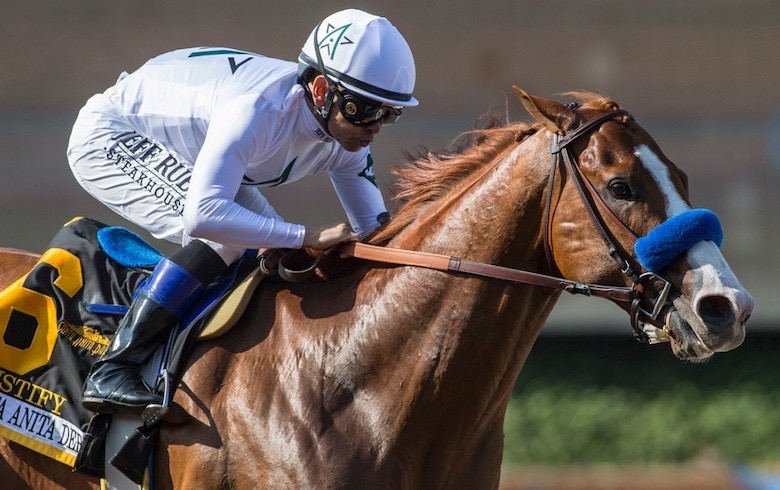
{"type": "Point", "coordinates": [554, 116]}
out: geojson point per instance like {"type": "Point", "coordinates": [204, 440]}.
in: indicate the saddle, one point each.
{"type": "Point", "coordinates": [233, 291]}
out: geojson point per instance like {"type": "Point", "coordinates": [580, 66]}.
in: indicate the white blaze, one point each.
{"type": "Point", "coordinates": [675, 204]}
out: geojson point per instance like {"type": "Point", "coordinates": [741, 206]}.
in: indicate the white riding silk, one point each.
{"type": "Point", "coordinates": [182, 146]}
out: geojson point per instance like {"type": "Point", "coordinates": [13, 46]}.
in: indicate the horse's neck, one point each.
{"type": "Point", "coordinates": [465, 337]}
{"type": "Point", "coordinates": [483, 219]}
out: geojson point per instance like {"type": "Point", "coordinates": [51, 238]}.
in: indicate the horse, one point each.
{"type": "Point", "coordinates": [14, 263]}
{"type": "Point", "coordinates": [385, 375]}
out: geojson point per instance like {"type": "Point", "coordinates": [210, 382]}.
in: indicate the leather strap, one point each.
{"type": "Point", "coordinates": [621, 295]}
{"type": "Point", "coordinates": [589, 196]}
{"type": "Point", "coordinates": [593, 200]}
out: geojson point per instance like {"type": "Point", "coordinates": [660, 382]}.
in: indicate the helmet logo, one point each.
{"type": "Point", "coordinates": [334, 37]}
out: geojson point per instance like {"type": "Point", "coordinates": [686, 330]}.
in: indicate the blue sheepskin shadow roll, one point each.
{"type": "Point", "coordinates": [675, 236]}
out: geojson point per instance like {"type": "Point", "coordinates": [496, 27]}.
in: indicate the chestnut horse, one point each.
{"type": "Point", "coordinates": [399, 377]}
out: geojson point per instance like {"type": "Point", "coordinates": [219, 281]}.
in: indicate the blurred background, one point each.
{"type": "Point", "coordinates": [701, 75]}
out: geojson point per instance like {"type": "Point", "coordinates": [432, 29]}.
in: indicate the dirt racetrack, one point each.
{"type": "Point", "coordinates": [699, 475]}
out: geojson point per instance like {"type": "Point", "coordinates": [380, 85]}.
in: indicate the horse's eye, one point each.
{"type": "Point", "coordinates": [620, 190]}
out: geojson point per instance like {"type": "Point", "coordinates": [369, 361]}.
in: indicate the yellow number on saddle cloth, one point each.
{"type": "Point", "coordinates": [27, 342]}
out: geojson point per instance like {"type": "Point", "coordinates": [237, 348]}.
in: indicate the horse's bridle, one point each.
{"type": "Point", "coordinates": [651, 290]}
{"type": "Point", "coordinates": [643, 301]}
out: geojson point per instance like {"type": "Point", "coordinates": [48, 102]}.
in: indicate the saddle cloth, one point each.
{"type": "Point", "coordinates": [58, 319]}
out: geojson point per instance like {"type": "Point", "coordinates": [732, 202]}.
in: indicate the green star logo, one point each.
{"type": "Point", "coordinates": [334, 37]}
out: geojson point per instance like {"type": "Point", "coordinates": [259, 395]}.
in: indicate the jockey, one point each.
{"type": "Point", "coordinates": [183, 146]}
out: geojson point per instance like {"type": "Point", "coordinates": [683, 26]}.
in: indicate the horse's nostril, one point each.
{"type": "Point", "coordinates": [716, 309]}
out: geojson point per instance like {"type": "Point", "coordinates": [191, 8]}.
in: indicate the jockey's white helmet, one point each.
{"type": "Point", "coordinates": [365, 53]}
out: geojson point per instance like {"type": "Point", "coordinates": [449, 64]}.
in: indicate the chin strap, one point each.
{"type": "Point", "coordinates": [323, 112]}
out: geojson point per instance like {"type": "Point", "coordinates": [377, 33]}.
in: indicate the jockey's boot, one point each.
{"type": "Point", "coordinates": [114, 383]}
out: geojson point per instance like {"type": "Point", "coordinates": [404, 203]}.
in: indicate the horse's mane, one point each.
{"type": "Point", "coordinates": [427, 176]}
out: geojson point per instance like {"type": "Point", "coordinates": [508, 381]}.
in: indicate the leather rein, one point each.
{"type": "Point", "coordinates": [643, 301]}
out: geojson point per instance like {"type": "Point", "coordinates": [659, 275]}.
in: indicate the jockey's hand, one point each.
{"type": "Point", "coordinates": [329, 236]}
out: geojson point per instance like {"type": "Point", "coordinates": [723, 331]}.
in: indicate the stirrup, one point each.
{"type": "Point", "coordinates": [172, 414]}
{"type": "Point", "coordinates": [168, 410]}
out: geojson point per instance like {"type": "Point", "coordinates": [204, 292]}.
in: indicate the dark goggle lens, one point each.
{"type": "Point", "coordinates": [362, 112]}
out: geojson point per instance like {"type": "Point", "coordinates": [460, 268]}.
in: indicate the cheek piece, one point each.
{"type": "Point", "coordinates": [675, 236]}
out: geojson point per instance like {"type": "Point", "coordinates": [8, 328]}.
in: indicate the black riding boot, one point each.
{"type": "Point", "coordinates": [114, 383]}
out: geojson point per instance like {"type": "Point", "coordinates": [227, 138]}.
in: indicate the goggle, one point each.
{"type": "Point", "coordinates": [361, 111]}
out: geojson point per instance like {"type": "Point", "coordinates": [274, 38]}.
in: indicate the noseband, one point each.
{"type": "Point", "coordinates": [643, 301]}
